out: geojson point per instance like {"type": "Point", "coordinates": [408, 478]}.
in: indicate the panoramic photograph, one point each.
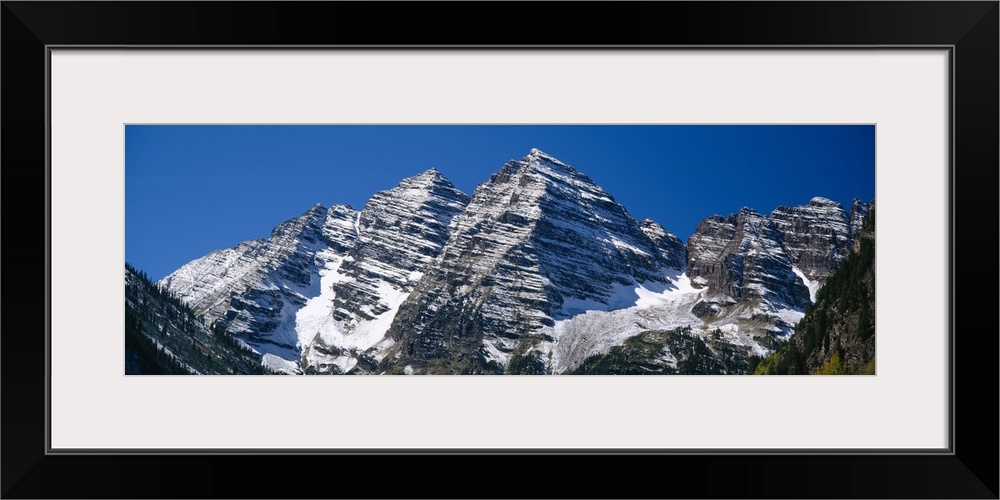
{"type": "Point", "coordinates": [499, 250]}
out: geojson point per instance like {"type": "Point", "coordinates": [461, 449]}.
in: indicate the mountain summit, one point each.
{"type": "Point", "coordinates": [539, 271]}
{"type": "Point", "coordinates": [538, 242]}
{"type": "Point", "coordinates": [399, 233]}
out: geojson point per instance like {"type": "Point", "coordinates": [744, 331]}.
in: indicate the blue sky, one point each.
{"type": "Point", "coordinates": [193, 189]}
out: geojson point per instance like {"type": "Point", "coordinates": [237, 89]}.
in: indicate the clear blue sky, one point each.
{"type": "Point", "coordinates": [193, 189]}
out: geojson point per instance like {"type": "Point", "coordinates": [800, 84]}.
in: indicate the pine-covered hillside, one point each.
{"type": "Point", "coordinates": [163, 336]}
{"type": "Point", "coordinates": [837, 334]}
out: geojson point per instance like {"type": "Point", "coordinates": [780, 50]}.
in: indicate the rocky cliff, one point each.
{"type": "Point", "coordinates": [538, 242]}
{"type": "Point", "coordinates": [540, 271]}
{"type": "Point", "coordinates": [400, 232]}
{"type": "Point", "coordinates": [837, 334]}
{"type": "Point", "coordinates": [255, 289]}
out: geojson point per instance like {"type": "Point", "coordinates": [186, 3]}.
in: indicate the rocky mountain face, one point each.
{"type": "Point", "coordinates": [255, 289]}
{"type": "Point", "coordinates": [540, 271]}
{"type": "Point", "coordinates": [671, 248]}
{"type": "Point", "coordinates": [816, 236]}
{"type": "Point", "coordinates": [742, 257]}
{"type": "Point", "coordinates": [837, 334]}
{"type": "Point", "coordinates": [859, 211]}
{"type": "Point", "coordinates": [538, 242]}
{"type": "Point", "coordinates": [765, 271]}
{"type": "Point", "coordinates": [400, 232]}
{"type": "Point", "coordinates": [319, 294]}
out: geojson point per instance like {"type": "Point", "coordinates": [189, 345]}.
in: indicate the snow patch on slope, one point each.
{"type": "Point", "coordinates": [633, 310]}
{"type": "Point", "coordinates": [280, 365]}
{"type": "Point", "coordinates": [316, 319]}
{"type": "Point", "coordinates": [812, 285]}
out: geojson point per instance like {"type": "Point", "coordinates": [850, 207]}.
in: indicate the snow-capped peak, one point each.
{"type": "Point", "coordinates": [427, 180]}
{"type": "Point", "coordinates": [431, 173]}
{"type": "Point", "coordinates": [538, 157]}
{"type": "Point", "coordinates": [821, 201]}
{"type": "Point", "coordinates": [538, 153]}
{"type": "Point", "coordinates": [535, 273]}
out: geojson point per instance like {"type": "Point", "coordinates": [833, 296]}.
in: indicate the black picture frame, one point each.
{"type": "Point", "coordinates": [970, 29]}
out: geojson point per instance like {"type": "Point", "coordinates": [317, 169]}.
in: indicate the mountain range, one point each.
{"type": "Point", "coordinates": [539, 271]}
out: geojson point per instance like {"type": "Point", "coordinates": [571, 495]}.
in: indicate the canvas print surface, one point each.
{"type": "Point", "coordinates": [482, 250]}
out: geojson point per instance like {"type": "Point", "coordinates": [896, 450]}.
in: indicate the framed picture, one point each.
{"type": "Point", "coordinates": [920, 78]}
